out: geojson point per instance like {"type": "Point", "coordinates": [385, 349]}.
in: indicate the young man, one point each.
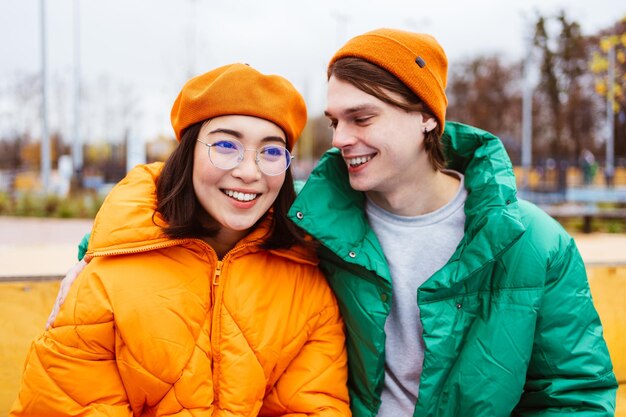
{"type": "Point", "coordinates": [458, 298]}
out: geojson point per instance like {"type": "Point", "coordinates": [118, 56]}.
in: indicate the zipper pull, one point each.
{"type": "Point", "coordinates": [218, 271]}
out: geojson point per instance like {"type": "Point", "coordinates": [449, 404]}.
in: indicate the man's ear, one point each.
{"type": "Point", "coordinates": [428, 122]}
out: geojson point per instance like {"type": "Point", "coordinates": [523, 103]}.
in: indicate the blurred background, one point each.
{"type": "Point", "coordinates": [86, 89]}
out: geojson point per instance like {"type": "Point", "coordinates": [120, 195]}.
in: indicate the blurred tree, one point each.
{"type": "Point", "coordinates": [321, 134]}
{"type": "Point", "coordinates": [24, 91]}
{"type": "Point", "coordinates": [314, 141]}
{"type": "Point", "coordinates": [30, 151]}
{"type": "Point", "coordinates": [106, 159]}
{"type": "Point", "coordinates": [486, 92]}
{"type": "Point", "coordinates": [9, 154]}
{"type": "Point", "coordinates": [110, 109]}
{"type": "Point", "coordinates": [160, 148]}
{"type": "Point", "coordinates": [565, 88]}
{"type": "Point", "coordinates": [613, 37]}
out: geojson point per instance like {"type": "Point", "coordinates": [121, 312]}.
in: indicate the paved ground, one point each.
{"type": "Point", "coordinates": [602, 248]}
{"type": "Point", "coordinates": [39, 247]}
{"type": "Point", "coordinates": [45, 247]}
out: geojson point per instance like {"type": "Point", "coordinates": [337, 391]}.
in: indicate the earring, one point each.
{"type": "Point", "coordinates": [425, 130]}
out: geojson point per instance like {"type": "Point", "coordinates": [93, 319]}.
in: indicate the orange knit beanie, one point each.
{"type": "Point", "coordinates": [239, 89]}
{"type": "Point", "coordinates": [416, 59]}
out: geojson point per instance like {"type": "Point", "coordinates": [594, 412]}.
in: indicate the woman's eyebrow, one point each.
{"type": "Point", "coordinates": [231, 132]}
{"type": "Point", "coordinates": [274, 139]}
{"type": "Point", "coordinates": [239, 135]}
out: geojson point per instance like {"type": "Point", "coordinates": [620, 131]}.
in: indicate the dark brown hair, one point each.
{"type": "Point", "coordinates": [378, 82]}
{"type": "Point", "coordinates": [179, 206]}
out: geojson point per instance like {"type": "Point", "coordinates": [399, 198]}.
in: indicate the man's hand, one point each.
{"type": "Point", "coordinates": [66, 283]}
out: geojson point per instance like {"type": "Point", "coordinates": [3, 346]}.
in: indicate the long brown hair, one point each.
{"type": "Point", "coordinates": [378, 82]}
{"type": "Point", "coordinates": [179, 206]}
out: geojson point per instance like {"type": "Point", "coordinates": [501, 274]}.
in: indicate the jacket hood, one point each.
{"type": "Point", "coordinates": [125, 220]}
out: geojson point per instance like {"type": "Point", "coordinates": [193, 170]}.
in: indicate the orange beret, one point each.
{"type": "Point", "coordinates": [239, 89]}
{"type": "Point", "coordinates": [416, 59]}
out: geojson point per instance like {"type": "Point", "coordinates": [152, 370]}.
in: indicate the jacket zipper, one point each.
{"type": "Point", "coordinates": [216, 325]}
{"type": "Point", "coordinates": [89, 256]}
{"type": "Point", "coordinates": [218, 272]}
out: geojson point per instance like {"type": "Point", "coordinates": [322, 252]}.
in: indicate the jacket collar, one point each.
{"type": "Point", "coordinates": [332, 212]}
{"type": "Point", "coordinates": [128, 221]}
{"type": "Point", "coordinates": [493, 220]}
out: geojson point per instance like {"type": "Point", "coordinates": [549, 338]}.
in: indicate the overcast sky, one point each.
{"type": "Point", "coordinates": [150, 47]}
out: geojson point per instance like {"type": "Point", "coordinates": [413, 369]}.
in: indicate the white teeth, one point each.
{"type": "Point", "coordinates": [240, 196]}
{"type": "Point", "coordinates": [358, 160]}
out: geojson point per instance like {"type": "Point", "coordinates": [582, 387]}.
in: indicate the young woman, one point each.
{"type": "Point", "coordinates": [200, 297]}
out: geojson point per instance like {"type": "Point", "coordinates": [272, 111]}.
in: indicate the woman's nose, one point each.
{"type": "Point", "coordinates": [248, 169]}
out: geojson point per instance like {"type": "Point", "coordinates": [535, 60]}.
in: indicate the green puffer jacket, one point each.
{"type": "Point", "coordinates": [509, 324]}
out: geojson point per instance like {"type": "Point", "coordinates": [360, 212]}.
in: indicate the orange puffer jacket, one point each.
{"type": "Point", "coordinates": [161, 327]}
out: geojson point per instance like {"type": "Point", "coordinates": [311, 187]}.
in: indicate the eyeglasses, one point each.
{"type": "Point", "coordinates": [227, 154]}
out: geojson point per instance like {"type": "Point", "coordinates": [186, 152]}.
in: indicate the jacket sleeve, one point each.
{"type": "Point", "coordinates": [83, 246]}
{"type": "Point", "coordinates": [315, 382]}
{"type": "Point", "coordinates": [570, 370]}
{"type": "Point", "coordinates": [71, 369]}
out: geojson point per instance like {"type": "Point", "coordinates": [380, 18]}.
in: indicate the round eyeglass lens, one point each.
{"type": "Point", "coordinates": [273, 160]}
{"type": "Point", "coordinates": [226, 154]}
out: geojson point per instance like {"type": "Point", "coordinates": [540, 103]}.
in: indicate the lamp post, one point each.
{"type": "Point", "coordinates": [610, 117]}
{"type": "Point", "coordinates": [45, 138]}
{"type": "Point", "coordinates": [77, 149]}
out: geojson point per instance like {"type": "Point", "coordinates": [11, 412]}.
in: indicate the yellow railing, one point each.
{"type": "Point", "coordinates": [549, 177]}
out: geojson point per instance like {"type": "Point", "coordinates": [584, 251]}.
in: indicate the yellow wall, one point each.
{"type": "Point", "coordinates": [608, 289]}
{"type": "Point", "coordinates": [24, 308]}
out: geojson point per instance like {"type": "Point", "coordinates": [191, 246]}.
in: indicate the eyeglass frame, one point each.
{"type": "Point", "coordinates": [242, 154]}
